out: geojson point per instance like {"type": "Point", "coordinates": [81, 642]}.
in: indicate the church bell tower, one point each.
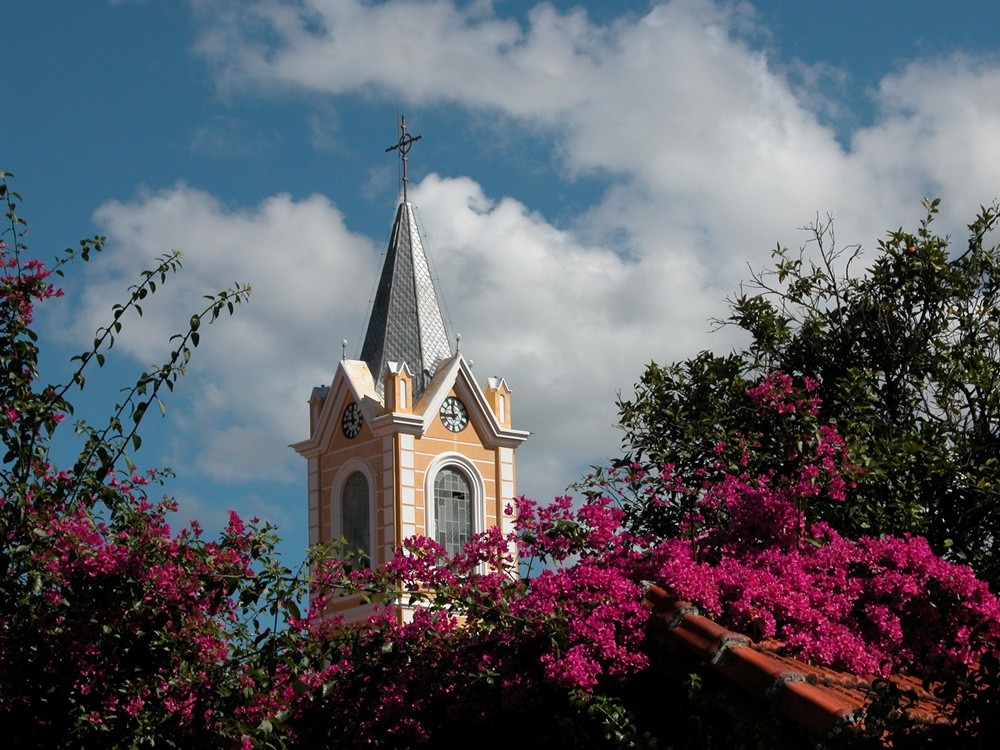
{"type": "Point", "coordinates": [404, 441]}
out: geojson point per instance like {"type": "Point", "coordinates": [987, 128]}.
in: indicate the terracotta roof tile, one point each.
{"type": "Point", "coordinates": [821, 699]}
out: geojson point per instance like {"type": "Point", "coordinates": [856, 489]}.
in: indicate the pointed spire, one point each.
{"type": "Point", "coordinates": [407, 323]}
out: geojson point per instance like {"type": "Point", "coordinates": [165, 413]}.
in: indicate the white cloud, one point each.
{"type": "Point", "coordinates": [937, 134]}
{"type": "Point", "coordinates": [716, 155]}
{"type": "Point", "coordinates": [700, 129]}
{"type": "Point", "coordinates": [568, 324]}
{"type": "Point", "coordinates": [675, 99]}
{"type": "Point", "coordinates": [310, 279]}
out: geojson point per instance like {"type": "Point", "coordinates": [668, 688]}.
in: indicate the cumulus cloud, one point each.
{"type": "Point", "coordinates": [713, 155]}
{"type": "Point", "coordinates": [697, 126]}
{"type": "Point", "coordinates": [566, 322]}
{"type": "Point", "coordinates": [309, 275]}
{"type": "Point", "coordinates": [937, 133]}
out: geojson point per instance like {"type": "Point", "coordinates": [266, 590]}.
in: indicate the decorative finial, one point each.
{"type": "Point", "coordinates": [343, 346]}
{"type": "Point", "coordinates": [403, 146]}
{"type": "Point", "coordinates": [458, 343]}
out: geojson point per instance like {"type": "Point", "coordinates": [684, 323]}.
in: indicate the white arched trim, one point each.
{"type": "Point", "coordinates": [476, 486]}
{"type": "Point", "coordinates": [336, 503]}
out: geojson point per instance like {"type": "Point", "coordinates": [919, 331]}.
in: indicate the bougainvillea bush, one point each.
{"type": "Point", "coordinates": [749, 556]}
{"type": "Point", "coordinates": [115, 630]}
{"type": "Point", "coordinates": [746, 553]}
{"type": "Point", "coordinates": [478, 650]}
{"type": "Point", "coordinates": [119, 631]}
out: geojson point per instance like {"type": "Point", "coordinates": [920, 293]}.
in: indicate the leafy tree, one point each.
{"type": "Point", "coordinates": [115, 631]}
{"type": "Point", "coordinates": [907, 357]}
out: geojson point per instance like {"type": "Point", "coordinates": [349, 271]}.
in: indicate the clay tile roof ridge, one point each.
{"type": "Point", "coordinates": [824, 700]}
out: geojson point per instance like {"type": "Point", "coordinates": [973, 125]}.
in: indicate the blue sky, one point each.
{"type": "Point", "coordinates": [593, 180]}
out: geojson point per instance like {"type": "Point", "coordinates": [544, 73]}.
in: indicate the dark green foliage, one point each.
{"type": "Point", "coordinates": [907, 355]}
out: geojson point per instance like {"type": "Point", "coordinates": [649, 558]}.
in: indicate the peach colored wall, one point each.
{"type": "Point", "coordinates": [399, 464]}
{"type": "Point", "coordinates": [364, 447]}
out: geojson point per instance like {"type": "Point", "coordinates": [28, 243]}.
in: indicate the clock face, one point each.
{"type": "Point", "coordinates": [350, 423]}
{"type": "Point", "coordinates": [454, 415]}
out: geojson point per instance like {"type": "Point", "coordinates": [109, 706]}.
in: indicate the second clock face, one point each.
{"type": "Point", "coordinates": [352, 419]}
{"type": "Point", "coordinates": [454, 415]}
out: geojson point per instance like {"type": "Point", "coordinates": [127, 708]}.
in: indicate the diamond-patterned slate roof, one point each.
{"type": "Point", "coordinates": [407, 323]}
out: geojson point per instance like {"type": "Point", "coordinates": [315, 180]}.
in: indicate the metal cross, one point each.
{"type": "Point", "coordinates": [403, 146]}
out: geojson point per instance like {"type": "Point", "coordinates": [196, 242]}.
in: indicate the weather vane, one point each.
{"type": "Point", "coordinates": [403, 146]}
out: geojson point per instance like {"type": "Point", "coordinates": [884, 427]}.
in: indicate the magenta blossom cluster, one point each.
{"type": "Point", "coordinates": [754, 559]}
{"type": "Point", "coordinates": [23, 283]}
{"type": "Point", "coordinates": [123, 618]}
{"type": "Point", "coordinates": [467, 637]}
{"type": "Point", "coordinates": [115, 630]}
{"type": "Point", "coordinates": [457, 640]}
{"type": "Point", "coordinates": [871, 606]}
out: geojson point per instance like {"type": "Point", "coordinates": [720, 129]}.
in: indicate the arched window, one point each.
{"type": "Point", "coordinates": [355, 519]}
{"type": "Point", "coordinates": [453, 511]}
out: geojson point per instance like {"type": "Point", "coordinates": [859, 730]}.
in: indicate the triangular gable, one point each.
{"type": "Point", "coordinates": [456, 374]}
{"type": "Point", "coordinates": [399, 368]}
{"type": "Point", "coordinates": [362, 386]}
{"type": "Point", "coordinates": [351, 382]}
